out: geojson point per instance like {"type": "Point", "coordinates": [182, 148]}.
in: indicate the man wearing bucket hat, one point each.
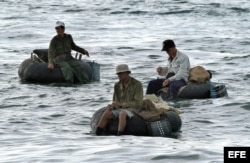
{"type": "Point", "coordinates": [60, 54]}
{"type": "Point", "coordinates": [127, 99]}
{"type": "Point", "coordinates": [176, 72]}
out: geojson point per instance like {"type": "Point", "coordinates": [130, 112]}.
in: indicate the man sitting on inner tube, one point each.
{"type": "Point", "coordinates": [60, 54]}
{"type": "Point", "coordinates": [127, 99]}
{"type": "Point", "coordinates": [176, 72]}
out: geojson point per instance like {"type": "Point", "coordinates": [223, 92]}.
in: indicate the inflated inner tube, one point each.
{"type": "Point", "coordinates": [195, 90]}
{"type": "Point", "coordinates": [135, 125]}
{"type": "Point", "coordinates": [168, 124]}
{"type": "Point", "coordinates": [200, 91]}
{"type": "Point", "coordinates": [38, 72]}
{"type": "Point", "coordinates": [36, 69]}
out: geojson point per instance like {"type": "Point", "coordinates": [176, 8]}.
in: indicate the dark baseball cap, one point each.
{"type": "Point", "coordinates": [167, 44]}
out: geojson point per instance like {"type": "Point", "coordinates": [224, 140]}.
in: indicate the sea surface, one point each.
{"type": "Point", "coordinates": [51, 122]}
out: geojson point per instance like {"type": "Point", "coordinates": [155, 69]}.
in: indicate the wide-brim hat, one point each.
{"type": "Point", "coordinates": [122, 68]}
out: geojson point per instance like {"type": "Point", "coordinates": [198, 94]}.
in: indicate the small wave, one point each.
{"type": "Point", "coordinates": [240, 10]}
{"type": "Point", "coordinates": [175, 12]}
{"type": "Point", "coordinates": [14, 18]}
{"type": "Point", "coordinates": [246, 106]}
{"type": "Point", "coordinates": [153, 56]}
{"type": "Point", "coordinates": [57, 115]}
{"type": "Point", "coordinates": [248, 76]}
{"type": "Point", "coordinates": [203, 121]}
{"type": "Point", "coordinates": [44, 106]}
{"type": "Point", "coordinates": [23, 36]}
{"type": "Point", "coordinates": [182, 157]}
{"type": "Point", "coordinates": [19, 97]}
{"type": "Point", "coordinates": [18, 121]}
{"type": "Point", "coordinates": [125, 47]}
{"type": "Point", "coordinates": [74, 10]}
{"type": "Point", "coordinates": [236, 57]}
{"type": "Point", "coordinates": [117, 12]}
{"type": "Point", "coordinates": [138, 12]}
{"type": "Point", "coordinates": [215, 4]}
{"type": "Point", "coordinates": [104, 9]}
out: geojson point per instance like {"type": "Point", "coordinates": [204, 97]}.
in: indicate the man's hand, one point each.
{"type": "Point", "coordinates": [117, 104]}
{"type": "Point", "coordinates": [158, 70]}
{"type": "Point", "coordinates": [85, 52]}
{"type": "Point", "coordinates": [166, 83]}
{"type": "Point", "coordinates": [110, 107]}
{"type": "Point", "coordinates": [51, 66]}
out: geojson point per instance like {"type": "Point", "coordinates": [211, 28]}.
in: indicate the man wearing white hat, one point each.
{"type": "Point", "coordinates": [127, 99]}
{"type": "Point", "coordinates": [60, 54]}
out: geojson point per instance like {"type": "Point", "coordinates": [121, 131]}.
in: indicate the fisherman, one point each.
{"type": "Point", "coordinates": [176, 72]}
{"type": "Point", "coordinates": [60, 54]}
{"type": "Point", "coordinates": [127, 99]}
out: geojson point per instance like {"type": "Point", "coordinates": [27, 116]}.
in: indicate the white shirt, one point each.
{"type": "Point", "coordinates": [180, 65]}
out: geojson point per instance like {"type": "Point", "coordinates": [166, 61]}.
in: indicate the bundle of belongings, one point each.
{"type": "Point", "coordinates": [153, 107]}
{"type": "Point", "coordinates": [198, 74]}
{"type": "Point", "coordinates": [198, 86]}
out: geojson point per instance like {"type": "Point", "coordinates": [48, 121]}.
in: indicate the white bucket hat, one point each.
{"type": "Point", "coordinates": [122, 68]}
{"type": "Point", "coordinates": [59, 23]}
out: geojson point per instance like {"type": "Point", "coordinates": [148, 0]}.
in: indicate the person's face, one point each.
{"type": "Point", "coordinates": [59, 30]}
{"type": "Point", "coordinates": [122, 75]}
{"type": "Point", "coordinates": [171, 52]}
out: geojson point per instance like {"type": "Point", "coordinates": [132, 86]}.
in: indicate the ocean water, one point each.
{"type": "Point", "coordinates": [50, 123]}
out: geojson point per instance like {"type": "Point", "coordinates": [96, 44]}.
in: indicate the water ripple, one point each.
{"type": "Point", "coordinates": [50, 123]}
